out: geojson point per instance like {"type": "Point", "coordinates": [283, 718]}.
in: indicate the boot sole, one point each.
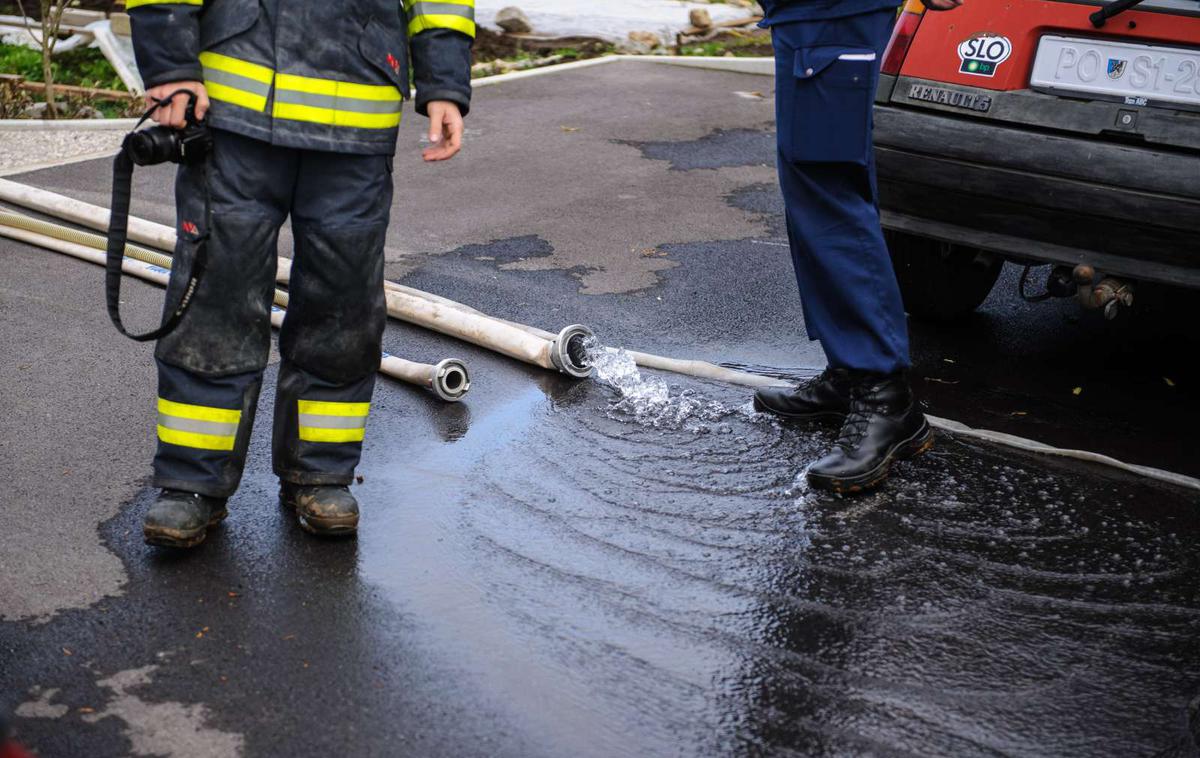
{"type": "Point", "coordinates": [346, 527]}
{"type": "Point", "coordinates": [762, 407]}
{"type": "Point", "coordinates": [179, 538]}
{"type": "Point", "coordinates": [917, 444]}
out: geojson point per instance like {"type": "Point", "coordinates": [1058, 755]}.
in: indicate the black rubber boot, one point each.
{"type": "Point", "coordinates": [182, 519]}
{"type": "Point", "coordinates": [324, 509]}
{"type": "Point", "coordinates": [884, 425]}
{"type": "Point", "coordinates": [823, 397]}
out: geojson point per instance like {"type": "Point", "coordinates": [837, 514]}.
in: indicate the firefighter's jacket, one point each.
{"type": "Point", "coordinates": [310, 74]}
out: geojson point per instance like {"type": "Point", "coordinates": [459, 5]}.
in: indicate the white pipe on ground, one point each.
{"type": "Point", "coordinates": [561, 352]}
{"type": "Point", "coordinates": [448, 379]}
{"type": "Point", "coordinates": [164, 237]}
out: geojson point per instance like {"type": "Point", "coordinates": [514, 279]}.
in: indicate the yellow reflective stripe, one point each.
{"type": "Point", "coordinates": [199, 412]}
{"type": "Point", "coordinates": [193, 439]}
{"type": "Point", "coordinates": [229, 94]}
{"type": "Point", "coordinates": [319, 434]}
{"type": "Point", "coordinates": [327, 408]}
{"type": "Point", "coordinates": [423, 22]}
{"type": "Point", "coordinates": [219, 62]}
{"type": "Point", "coordinates": [332, 88]}
{"type": "Point", "coordinates": [343, 422]}
{"type": "Point", "coordinates": [131, 4]}
{"type": "Point", "coordinates": [331, 117]}
{"type": "Point", "coordinates": [236, 81]}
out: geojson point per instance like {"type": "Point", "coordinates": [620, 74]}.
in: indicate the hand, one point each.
{"type": "Point", "coordinates": [445, 131]}
{"type": "Point", "coordinates": [941, 5]}
{"type": "Point", "coordinates": [172, 115]}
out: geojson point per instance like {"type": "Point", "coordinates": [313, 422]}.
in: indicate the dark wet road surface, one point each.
{"type": "Point", "coordinates": [555, 568]}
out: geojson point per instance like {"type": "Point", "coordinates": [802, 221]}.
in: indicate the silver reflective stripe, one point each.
{"type": "Point", "coordinates": [443, 9]}
{"type": "Point", "coordinates": [243, 83]}
{"type": "Point", "coordinates": [215, 428]}
{"type": "Point", "coordinates": [332, 422]}
{"type": "Point", "coordinates": [337, 103]}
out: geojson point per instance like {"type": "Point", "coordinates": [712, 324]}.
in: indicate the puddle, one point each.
{"type": "Point", "coordinates": [631, 565]}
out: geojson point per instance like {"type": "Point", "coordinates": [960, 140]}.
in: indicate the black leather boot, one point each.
{"type": "Point", "coordinates": [823, 397]}
{"type": "Point", "coordinates": [884, 425]}
{"type": "Point", "coordinates": [181, 519]}
{"type": "Point", "coordinates": [324, 509]}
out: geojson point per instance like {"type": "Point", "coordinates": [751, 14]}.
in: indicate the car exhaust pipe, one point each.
{"type": "Point", "coordinates": [1109, 294]}
{"type": "Point", "coordinates": [448, 379]}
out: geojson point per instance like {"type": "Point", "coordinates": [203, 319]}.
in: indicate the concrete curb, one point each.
{"type": "Point", "coordinates": [67, 124]}
{"type": "Point", "coordinates": [759, 66]}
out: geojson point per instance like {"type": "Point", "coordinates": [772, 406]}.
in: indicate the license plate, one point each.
{"type": "Point", "coordinates": [1126, 72]}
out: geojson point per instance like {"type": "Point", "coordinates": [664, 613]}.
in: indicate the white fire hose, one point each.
{"type": "Point", "coordinates": [562, 352]}
{"type": "Point", "coordinates": [448, 379]}
{"type": "Point", "coordinates": [458, 320]}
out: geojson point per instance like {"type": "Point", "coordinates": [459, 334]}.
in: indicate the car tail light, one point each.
{"type": "Point", "coordinates": [902, 36]}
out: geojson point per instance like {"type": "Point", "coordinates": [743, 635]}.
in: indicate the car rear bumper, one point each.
{"type": "Point", "coordinates": [1126, 209]}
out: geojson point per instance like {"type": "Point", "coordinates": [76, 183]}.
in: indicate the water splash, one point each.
{"type": "Point", "coordinates": [651, 401]}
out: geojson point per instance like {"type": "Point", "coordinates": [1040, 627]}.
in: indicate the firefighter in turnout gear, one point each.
{"type": "Point", "coordinates": [304, 100]}
{"type": "Point", "coordinates": [827, 57]}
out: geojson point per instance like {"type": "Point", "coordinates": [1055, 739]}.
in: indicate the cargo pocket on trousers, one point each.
{"type": "Point", "coordinates": [826, 116]}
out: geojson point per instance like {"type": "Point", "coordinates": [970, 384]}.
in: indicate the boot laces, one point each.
{"type": "Point", "coordinates": [854, 428]}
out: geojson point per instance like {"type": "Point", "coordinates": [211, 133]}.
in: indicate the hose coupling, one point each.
{"type": "Point", "coordinates": [568, 352]}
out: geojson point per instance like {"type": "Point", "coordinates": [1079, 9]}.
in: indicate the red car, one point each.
{"type": "Point", "coordinates": [1064, 132]}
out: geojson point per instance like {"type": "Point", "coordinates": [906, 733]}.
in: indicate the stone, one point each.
{"type": "Point", "coordinates": [513, 20]}
{"type": "Point", "coordinates": [699, 18]}
{"type": "Point", "coordinates": [647, 39]}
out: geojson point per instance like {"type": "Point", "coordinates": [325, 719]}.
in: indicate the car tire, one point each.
{"type": "Point", "coordinates": [938, 280]}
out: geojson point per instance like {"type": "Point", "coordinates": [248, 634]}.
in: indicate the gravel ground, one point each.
{"type": "Point", "coordinates": [22, 150]}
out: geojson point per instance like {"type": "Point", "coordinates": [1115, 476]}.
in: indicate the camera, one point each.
{"type": "Point", "coordinates": [163, 144]}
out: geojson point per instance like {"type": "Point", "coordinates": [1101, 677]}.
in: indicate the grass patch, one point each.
{"type": "Point", "coordinates": [85, 67]}
{"type": "Point", "coordinates": [732, 44]}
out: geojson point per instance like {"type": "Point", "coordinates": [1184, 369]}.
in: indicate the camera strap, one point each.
{"type": "Point", "coordinates": [118, 232]}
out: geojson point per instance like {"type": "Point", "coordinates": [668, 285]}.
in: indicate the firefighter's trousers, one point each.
{"type": "Point", "coordinates": [210, 368]}
{"type": "Point", "coordinates": [825, 76]}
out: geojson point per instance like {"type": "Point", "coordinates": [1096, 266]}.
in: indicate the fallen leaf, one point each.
{"type": "Point", "coordinates": [1170, 383]}
{"type": "Point", "coordinates": [87, 709]}
{"type": "Point", "coordinates": [289, 637]}
{"type": "Point", "coordinates": [67, 651]}
{"type": "Point", "coordinates": [569, 129]}
{"type": "Point", "coordinates": [231, 594]}
{"type": "Point", "coordinates": [1019, 413]}
{"type": "Point", "coordinates": [1077, 391]}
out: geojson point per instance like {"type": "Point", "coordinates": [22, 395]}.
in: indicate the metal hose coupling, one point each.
{"type": "Point", "coordinates": [568, 352]}
{"type": "Point", "coordinates": [451, 380]}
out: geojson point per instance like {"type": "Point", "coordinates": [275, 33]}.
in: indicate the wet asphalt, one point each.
{"type": "Point", "coordinates": [551, 568]}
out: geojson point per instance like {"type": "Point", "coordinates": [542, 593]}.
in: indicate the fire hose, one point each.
{"type": "Point", "coordinates": [455, 319]}
{"type": "Point", "coordinates": [448, 379]}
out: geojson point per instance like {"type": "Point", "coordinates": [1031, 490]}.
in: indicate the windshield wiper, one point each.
{"type": "Point", "coordinates": [1108, 11]}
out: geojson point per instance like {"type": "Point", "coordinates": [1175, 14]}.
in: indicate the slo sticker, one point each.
{"type": "Point", "coordinates": [982, 54]}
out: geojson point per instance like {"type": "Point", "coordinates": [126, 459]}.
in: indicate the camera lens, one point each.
{"type": "Point", "coordinates": [151, 146]}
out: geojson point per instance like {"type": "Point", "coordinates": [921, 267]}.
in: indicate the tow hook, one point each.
{"type": "Point", "coordinates": [1107, 295]}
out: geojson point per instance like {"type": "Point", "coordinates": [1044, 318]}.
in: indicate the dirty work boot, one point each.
{"type": "Point", "coordinates": [884, 425]}
{"type": "Point", "coordinates": [824, 397]}
{"type": "Point", "coordinates": [325, 509]}
{"type": "Point", "coordinates": [181, 519]}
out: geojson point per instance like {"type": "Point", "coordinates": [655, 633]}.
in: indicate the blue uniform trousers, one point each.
{"type": "Point", "coordinates": [826, 71]}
